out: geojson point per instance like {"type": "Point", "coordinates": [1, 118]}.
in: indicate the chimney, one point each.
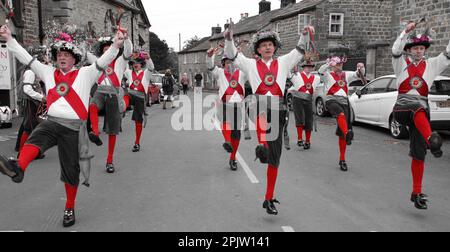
{"type": "Point", "coordinates": [216, 30]}
{"type": "Point", "coordinates": [285, 3]}
{"type": "Point", "coordinates": [264, 6]}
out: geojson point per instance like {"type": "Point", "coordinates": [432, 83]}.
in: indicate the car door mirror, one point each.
{"type": "Point", "coordinates": [359, 93]}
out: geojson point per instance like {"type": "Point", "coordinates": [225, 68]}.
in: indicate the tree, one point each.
{"type": "Point", "coordinates": [160, 53]}
{"type": "Point", "coordinates": [191, 42]}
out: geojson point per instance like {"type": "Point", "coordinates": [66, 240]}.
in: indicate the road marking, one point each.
{"type": "Point", "coordinates": [288, 229]}
{"type": "Point", "coordinates": [251, 176]}
{"type": "Point", "coordinates": [247, 170]}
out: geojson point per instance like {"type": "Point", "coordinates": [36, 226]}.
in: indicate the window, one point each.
{"type": "Point", "coordinates": [185, 59]}
{"type": "Point", "coordinates": [278, 27]}
{"type": "Point", "coordinates": [303, 20]}
{"type": "Point", "coordinates": [336, 24]}
{"type": "Point", "coordinates": [195, 57]}
{"type": "Point", "coordinates": [378, 87]}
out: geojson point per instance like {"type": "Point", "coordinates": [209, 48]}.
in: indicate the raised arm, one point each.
{"type": "Point", "coordinates": [353, 76]}
{"type": "Point", "coordinates": [93, 71]}
{"type": "Point", "coordinates": [292, 59]}
{"type": "Point", "coordinates": [210, 57]}
{"type": "Point", "coordinates": [22, 55]}
{"type": "Point", "coordinates": [440, 63]}
{"type": "Point", "coordinates": [325, 75]}
{"type": "Point", "coordinates": [398, 61]}
{"type": "Point", "coordinates": [239, 59]}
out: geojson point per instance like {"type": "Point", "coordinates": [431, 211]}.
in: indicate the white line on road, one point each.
{"type": "Point", "coordinates": [288, 229]}
{"type": "Point", "coordinates": [241, 160]}
{"type": "Point", "coordinates": [247, 170]}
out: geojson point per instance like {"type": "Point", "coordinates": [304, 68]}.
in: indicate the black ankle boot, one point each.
{"type": "Point", "coordinates": [269, 205]}
{"type": "Point", "coordinates": [136, 148]}
{"type": "Point", "coordinates": [233, 165]}
{"type": "Point", "coordinates": [69, 218]}
{"type": "Point", "coordinates": [95, 139]}
{"type": "Point", "coordinates": [110, 168]}
{"type": "Point", "coordinates": [435, 141]}
{"type": "Point", "coordinates": [300, 144]}
{"type": "Point", "coordinates": [307, 146]}
{"type": "Point", "coordinates": [228, 148]}
{"type": "Point", "coordinates": [343, 166]}
{"type": "Point", "coordinates": [11, 168]}
{"type": "Point", "coordinates": [262, 153]}
{"type": "Point", "coordinates": [420, 201]}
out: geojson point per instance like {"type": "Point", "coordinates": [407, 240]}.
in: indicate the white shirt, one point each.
{"type": "Point", "coordinates": [82, 85]}
{"type": "Point", "coordinates": [222, 81]}
{"type": "Point", "coordinates": [298, 82]}
{"type": "Point", "coordinates": [121, 63]}
{"type": "Point", "coordinates": [29, 78]}
{"type": "Point", "coordinates": [434, 66]}
{"type": "Point", "coordinates": [329, 81]}
{"type": "Point", "coordinates": [285, 64]}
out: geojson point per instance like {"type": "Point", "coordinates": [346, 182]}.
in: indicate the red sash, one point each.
{"type": "Point", "coordinates": [63, 89]}
{"type": "Point", "coordinates": [269, 79]}
{"type": "Point", "coordinates": [137, 82]}
{"type": "Point", "coordinates": [415, 79]}
{"type": "Point", "coordinates": [234, 86]}
{"type": "Point", "coordinates": [112, 76]}
{"type": "Point", "coordinates": [341, 83]}
{"type": "Point", "coordinates": [308, 87]}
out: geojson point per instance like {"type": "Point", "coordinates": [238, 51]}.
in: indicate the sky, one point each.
{"type": "Point", "coordinates": [192, 18]}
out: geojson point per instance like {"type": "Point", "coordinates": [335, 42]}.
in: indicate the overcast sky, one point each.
{"type": "Point", "coordinates": [195, 17]}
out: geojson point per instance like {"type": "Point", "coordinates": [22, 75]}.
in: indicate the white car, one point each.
{"type": "Point", "coordinates": [5, 117]}
{"type": "Point", "coordinates": [374, 103]}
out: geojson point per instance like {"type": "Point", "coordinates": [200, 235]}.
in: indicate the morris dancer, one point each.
{"type": "Point", "coordinates": [415, 77]}
{"type": "Point", "coordinates": [268, 76]}
{"type": "Point", "coordinates": [231, 94]}
{"type": "Point", "coordinates": [34, 98]}
{"type": "Point", "coordinates": [138, 81]}
{"type": "Point", "coordinates": [336, 87]}
{"type": "Point", "coordinates": [302, 91]}
{"type": "Point", "coordinates": [68, 92]}
{"type": "Point", "coordinates": [110, 96]}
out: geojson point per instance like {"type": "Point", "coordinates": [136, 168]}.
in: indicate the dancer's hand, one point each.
{"type": "Point", "coordinates": [410, 27]}
{"type": "Point", "coordinates": [229, 33]}
{"type": "Point", "coordinates": [119, 39]}
{"type": "Point", "coordinates": [5, 33]}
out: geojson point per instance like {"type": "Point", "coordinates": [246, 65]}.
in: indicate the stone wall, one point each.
{"type": "Point", "coordinates": [81, 13]}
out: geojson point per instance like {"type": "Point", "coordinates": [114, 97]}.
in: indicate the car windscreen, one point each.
{"type": "Point", "coordinates": [441, 87]}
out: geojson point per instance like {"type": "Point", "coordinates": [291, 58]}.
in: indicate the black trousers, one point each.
{"type": "Point", "coordinates": [49, 134]}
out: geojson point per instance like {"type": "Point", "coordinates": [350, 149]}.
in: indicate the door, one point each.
{"type": "Point", "coordinates": [367, 106]}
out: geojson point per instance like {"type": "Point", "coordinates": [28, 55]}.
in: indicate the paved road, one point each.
{"type": "Point", "coordinates": [181, 182]}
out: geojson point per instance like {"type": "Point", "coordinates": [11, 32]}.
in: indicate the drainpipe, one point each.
{"type": "Point", "coordinates": [41, 27]}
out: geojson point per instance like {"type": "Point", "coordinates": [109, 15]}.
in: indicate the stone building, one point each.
{"type": "Point", "coordinates": [363, 30]}
{"type": "Point", "coordinates": [31, 17]}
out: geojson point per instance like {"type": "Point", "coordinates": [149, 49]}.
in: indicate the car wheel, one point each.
{"type": "Point", "coordinates": [397, 130]}
{"type": "Point", "coordinates": [320, 108]}
{"type": "Point", "coordinates": [290, 103]}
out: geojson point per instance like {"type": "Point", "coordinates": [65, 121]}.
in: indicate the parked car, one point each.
{"type": "Point", "coordinates": [320, 98]}
{"type": "Point", "coordinates": [373, 104]}
{"type": "Point", "coordinates": [5, 117]}
{"type": "Point", "coordinates": [155, 89]}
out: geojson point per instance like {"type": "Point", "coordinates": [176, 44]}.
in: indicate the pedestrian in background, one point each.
{"type": "Point", "coordinates": [185, 83]}
{"type": "Point", "coordinates": [198, 84]}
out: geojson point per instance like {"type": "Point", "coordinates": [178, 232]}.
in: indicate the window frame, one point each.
{"type": "Point", "coordinates": [341, 24]}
